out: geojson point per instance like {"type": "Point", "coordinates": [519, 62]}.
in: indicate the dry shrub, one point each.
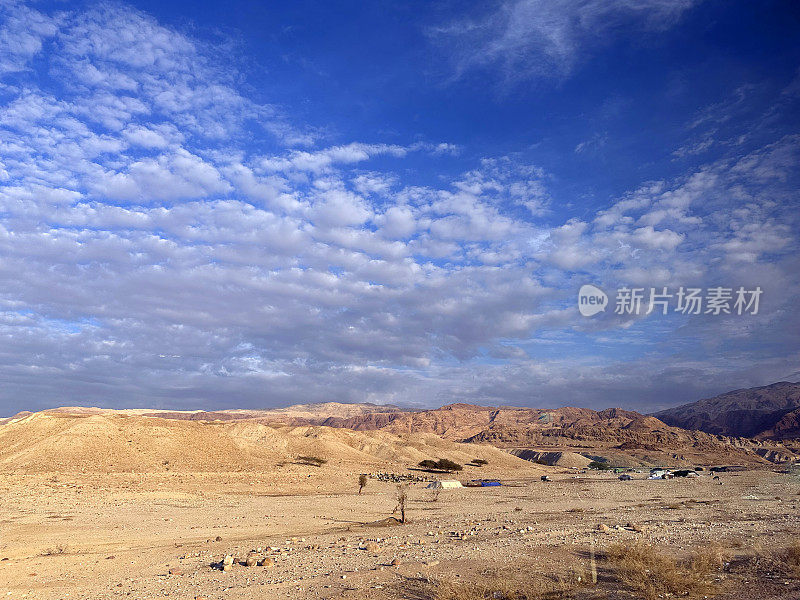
{"type": "Point", "coordinates": [760, 563]}
{"type": "Point", "coordinates": [792, 559]}
{"type": "Point", "coordinates": [402, 499]}
{"type": "Point", "coordinates": [639, 567]}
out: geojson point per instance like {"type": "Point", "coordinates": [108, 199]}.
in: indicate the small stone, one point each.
{"type": "Point", "coordinates": [267, 562]}
{"type": "Point", "coordinates": [251, 561]}
{"type": "Point", "coordinates": [604, 528]}
{"type": "Point", "coordinates": [218, 538]}
{"type": "Point", "coordinates": [228, 560]}
{"type": "Point", "coordinates": [175, 572]}
{"type": "Point", "coordinates": [372, 547]}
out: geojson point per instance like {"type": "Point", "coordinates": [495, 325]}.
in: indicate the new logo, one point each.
{"type": "Point", "coordinates": [591, 300]}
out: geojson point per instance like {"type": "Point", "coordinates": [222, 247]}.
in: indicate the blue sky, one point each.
{"type": "Point", "coordinates": [255, 204]}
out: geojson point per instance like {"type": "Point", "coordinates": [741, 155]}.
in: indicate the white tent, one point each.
{"type": "Point", "coordinates": [445, 485]}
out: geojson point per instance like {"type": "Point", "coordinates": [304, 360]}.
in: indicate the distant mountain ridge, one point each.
{"type": "Point", "coordinates": [741, 427]}
{"type": "Point", "coordinates": [624, 437]}
{"type": "Point", "coordinates": [770, 412]}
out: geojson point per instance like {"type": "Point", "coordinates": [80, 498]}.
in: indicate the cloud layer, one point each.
{"type": "Point", "coordinates": [167, 241]}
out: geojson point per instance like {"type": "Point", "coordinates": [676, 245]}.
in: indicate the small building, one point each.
{"type": "Point", "coordinates": [447, 484]}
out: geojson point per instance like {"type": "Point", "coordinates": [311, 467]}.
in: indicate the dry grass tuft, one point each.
{"type": "Point", "coordinates": [640, 568]}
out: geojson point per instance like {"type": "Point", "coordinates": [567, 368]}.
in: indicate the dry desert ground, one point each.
{"type": "Point", "coordinates": [77, 530]}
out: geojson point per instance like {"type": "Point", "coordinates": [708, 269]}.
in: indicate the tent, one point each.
{"type": "Point", "coordinates": [445, 485]}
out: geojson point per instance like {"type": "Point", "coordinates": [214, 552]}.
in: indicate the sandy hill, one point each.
{"type": "Point", "coordinates": [768, 412]}
{"type": "Point", "coordinates": [118, 442]}
{"type": "Point", "coordinates": [360, 433]}
{"type": "Point", "coordinates": [571, 460]}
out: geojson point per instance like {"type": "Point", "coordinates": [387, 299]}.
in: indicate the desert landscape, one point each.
{"type": "Point", "coordinates": [450, 300]}
{"type": "Point", "coordinates": [331, 501]}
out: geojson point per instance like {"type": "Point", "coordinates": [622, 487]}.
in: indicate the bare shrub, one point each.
{"type": "Point", "coordinates": [402, 498]}
{"type": "Point", "coordinates": [362, 481]}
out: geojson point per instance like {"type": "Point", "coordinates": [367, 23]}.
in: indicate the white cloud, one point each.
{"type": "Point", "coordinates": [397, 222]}
{"type": "Point", "coordinates": [323, 161]}
{"type": "Point", "coordinates": [21, 36]}
{"type": "Point", "coordinates": [165, 178]}
{"type": "Point", "coordinates": [657, 240]}
{"type": "Point", "coordinates": [535, 38]}
{"type": "Point", "coordinates": [337, 208]}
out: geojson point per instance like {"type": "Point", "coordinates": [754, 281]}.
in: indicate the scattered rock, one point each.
{"type": "Point", "coordinates": [604, 528]}
{"type": "Point", "coordinates": [175, 572]}
{"type": "Point", "coordinates": [218, 538]}
{"type": "Point", "coordinates": [372, 547]}
{"type": "Point", "coordinates": [251, 561]}
{"type": "Point", "coordinates": [267, 562]}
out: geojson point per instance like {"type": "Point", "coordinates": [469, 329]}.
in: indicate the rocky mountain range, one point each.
{"type": "Point", "coordinates": [753, 426]}
{"type": "Point", "coordinates": [771, 412]}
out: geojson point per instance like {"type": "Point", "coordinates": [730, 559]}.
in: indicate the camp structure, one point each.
{"type": "Point", "coordinates": [659, 474]}
{"type": "Point", "coordinates": [482, 483]}
{"type": "Point", "coordinates": [447, 484]}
